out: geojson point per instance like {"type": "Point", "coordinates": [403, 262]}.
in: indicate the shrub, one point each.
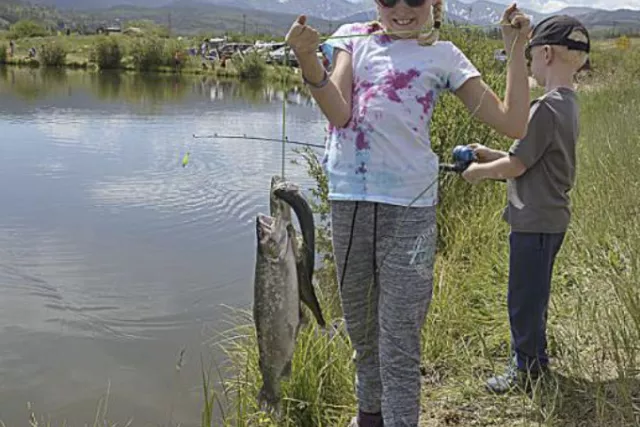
{"type": "Point", "coordinates": [148, 54]}
{"type": "Point", "coordinates": [27, 28]}
{"type": "Point", "coordinates": [250, 66]}
{"type": "Point", "coordinates": [53, 54]}
{"type": "Point", "coordinates": [3, 54]}
{"type": "Point", "coordinates": [107, 53]}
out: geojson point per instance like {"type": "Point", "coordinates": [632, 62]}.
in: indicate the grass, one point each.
{"type": "Point", "coordinates": [133, 53]}
{"type": "Point", "coordinates": [594, 318]}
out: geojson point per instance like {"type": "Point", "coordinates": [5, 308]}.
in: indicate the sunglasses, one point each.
{"type": "Point", "coordinates": [392, 3]}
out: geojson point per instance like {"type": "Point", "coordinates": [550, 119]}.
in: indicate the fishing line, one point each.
{"type": "Point", "coordinates": [257, 138]}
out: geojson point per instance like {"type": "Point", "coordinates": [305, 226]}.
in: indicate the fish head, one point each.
{"type": "Point", "coordinates": [272, 236]}
{"type": "Point", "coordinates": [283, 188]}
{"type": "Point", "coordinates": [277, 206]}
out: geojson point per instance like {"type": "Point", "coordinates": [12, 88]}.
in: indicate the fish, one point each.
{"type": "Point", "coordinates": [276, 307]}
{"type": "Point", "coordinates": [289, 193]}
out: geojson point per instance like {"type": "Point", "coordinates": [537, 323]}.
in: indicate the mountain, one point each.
{"type": "Point", "coordinates": [276, 16]}
{"type": "Point", "coordinates": [575, 10]}
{"type": "Point", "coordinates": [480, 12]}
{"type": "Point", "coordinates": [326, 9]}
{"type": "Point", "coordinates": [622, 19]}
{"type": "Point", "coordinates": [192, 17]}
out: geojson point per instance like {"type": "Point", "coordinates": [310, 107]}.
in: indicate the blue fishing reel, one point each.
{"type": "Point", "coordinates": [463, 156]}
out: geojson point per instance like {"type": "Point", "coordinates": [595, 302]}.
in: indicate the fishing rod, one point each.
{"type": "Point", "coordinates": [463, 156]}
{"type": "Point", "coordinates": [257, 138]}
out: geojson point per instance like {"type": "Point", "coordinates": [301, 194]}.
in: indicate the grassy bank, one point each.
{"type": "Point", "coordinates": [594, 319]}
{"type": "Point", "coordinates": [135, 53]}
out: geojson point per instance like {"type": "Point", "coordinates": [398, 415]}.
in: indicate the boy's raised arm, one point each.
{"type": "Point", "coordinates": [511, 116]}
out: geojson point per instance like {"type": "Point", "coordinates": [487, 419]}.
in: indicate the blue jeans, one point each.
{"type": "Point", "coordinates": [531, 260]}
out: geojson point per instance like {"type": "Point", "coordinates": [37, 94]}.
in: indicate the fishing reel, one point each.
{"type": "Point", "coordinates": [463, 156]}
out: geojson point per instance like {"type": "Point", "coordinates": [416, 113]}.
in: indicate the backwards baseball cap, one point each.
{"type": "Point", "coordinates": [561, 30]}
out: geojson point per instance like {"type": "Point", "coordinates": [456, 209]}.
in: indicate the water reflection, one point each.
{"type": "Point", "coordinates": [147, 90]}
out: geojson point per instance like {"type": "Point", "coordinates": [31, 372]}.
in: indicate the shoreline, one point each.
{"type": "Point", "coordinates": [273, 74]}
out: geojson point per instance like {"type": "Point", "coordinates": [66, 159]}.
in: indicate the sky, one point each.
{"type": "Point", "coordinates": [547, 6]}
{"type": "Point", "coordinates": [554, 5]}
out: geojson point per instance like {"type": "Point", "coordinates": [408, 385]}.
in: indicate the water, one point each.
{"type": "Point", "coordinates": [113, 257]}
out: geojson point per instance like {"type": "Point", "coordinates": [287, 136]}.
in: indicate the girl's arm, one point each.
{"type": "Point", "coordinates": [334, 98]}
{"type": "Point", "coordinates": [511, 116]}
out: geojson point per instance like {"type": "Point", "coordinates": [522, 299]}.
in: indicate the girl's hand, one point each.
{"type": "Point", "coordinates": [302, 39]}
{"type": "Point", "coordinates": [516, 27]}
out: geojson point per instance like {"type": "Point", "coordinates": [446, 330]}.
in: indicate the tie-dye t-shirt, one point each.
{"type": "Point", "coordinates": [384, 153]}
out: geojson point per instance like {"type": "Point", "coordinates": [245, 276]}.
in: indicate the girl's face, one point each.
{"type": "Point", "coordinates": [404, 15]}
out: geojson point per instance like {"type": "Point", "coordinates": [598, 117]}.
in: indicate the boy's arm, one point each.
{"type": "Point", "coordinates": [505, 167]}
{"type": "Point", "coordinates": [523, 154]}
{"type": "Point", "coordinates": [508, 117]}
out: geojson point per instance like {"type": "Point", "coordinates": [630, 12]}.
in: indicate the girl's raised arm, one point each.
{"type": "Point", "coordinates": [331, 92]}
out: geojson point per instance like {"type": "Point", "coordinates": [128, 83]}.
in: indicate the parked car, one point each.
{"type": "Point", "coordinates": [278, 56]}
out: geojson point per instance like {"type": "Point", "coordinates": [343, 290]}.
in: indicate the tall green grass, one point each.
{"type": "Point", "coordinates": [594, 318]}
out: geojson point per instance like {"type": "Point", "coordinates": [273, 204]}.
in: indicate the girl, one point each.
{"type": "Point", "coordinates": [379, 100]}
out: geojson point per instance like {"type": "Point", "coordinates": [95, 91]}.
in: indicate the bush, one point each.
{"type": "Point", "coordinates": [250, 66]}
{"type": "Point", "coordinates": [27, 28]}
{"type": "Point", "coordinates": [107, 53]}
{"type": "Point", "coordinates": [53, 54]}
{"type": "Point", "coordinates": [3, 54]}
{"type": "Point", "coordinates": [148, 54]}
{"type": "Point", "coordinates": [153, 53]}
{"type": "Point", "coordinates": [174, 53]}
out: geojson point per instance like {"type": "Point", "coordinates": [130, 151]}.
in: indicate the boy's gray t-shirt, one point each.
{"type": "Point", "coordinates": [539, 198]}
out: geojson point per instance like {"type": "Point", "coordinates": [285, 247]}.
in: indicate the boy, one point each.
{"type": "Point", "coordinates": [540, 172]}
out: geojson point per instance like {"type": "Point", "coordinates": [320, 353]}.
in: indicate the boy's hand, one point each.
{"type": "Point", "coordinates": [472, 174]}
{"type": "Point", "coordinates": [516, 27]}
{"type": "Point", "coordinates": [483, 154]}
{"type": "Point", "coordinates": [304, 40]}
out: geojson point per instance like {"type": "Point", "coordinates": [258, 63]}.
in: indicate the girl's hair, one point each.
{"type": "Point", "coordinates": [436, 16]}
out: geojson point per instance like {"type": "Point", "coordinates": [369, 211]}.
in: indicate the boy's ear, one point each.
{"type": "Point", "coordinates": [548, 54]}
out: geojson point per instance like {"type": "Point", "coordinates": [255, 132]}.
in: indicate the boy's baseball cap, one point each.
{"type": "Point", "coordinates": [560, 30]}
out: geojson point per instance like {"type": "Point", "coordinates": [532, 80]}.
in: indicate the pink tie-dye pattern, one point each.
{"type": "Point", "coordinates": [395, 81]}
{"type": "Point", "coordinates": [361, 142]}
{"type": "Point", "coordinates": [426, 102]}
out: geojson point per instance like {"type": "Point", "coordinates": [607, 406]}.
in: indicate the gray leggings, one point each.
{"type": "Point", "coordinates": [384, 316]}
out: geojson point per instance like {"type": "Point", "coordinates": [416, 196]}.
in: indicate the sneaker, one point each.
{"type": "Point", "coordinates": [514, 378]}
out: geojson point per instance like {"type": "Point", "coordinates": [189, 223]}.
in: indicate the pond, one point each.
{"type": "Point", "coordinates": [114, 258]}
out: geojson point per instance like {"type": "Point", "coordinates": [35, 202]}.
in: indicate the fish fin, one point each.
{"type": "Point", "coordinates": [268, 402]}
{"type": "Point", "coordinates": [307, 293]}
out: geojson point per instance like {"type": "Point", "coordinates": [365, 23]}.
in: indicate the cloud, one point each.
{"type": "Point", "coordinates": [550, 6]}
{"type": "Point", "coordinates": [555, 5]}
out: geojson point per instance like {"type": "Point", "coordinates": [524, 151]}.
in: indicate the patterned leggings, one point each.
{"type": "Point", "coordinates": [384, 314]}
